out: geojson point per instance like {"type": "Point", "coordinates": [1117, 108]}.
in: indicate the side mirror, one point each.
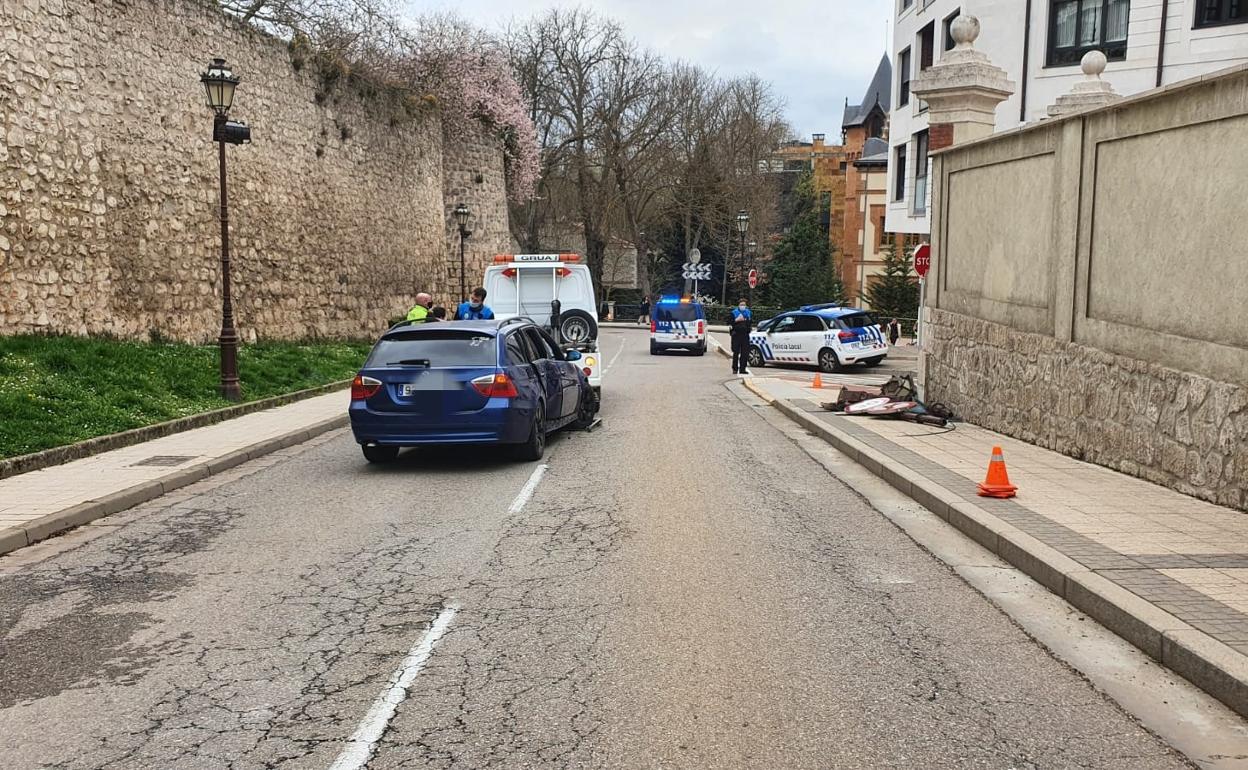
{"type": "Point", "coordinates": [572, 355]}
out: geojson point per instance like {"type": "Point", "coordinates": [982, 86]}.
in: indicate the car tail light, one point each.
{"type": "Point", "coordinates": [700, 326]}
{"type": "Point", "coordinates": [563, 272]}
{"type": "Point", "coordinates": [846, 336]}
{"type": "Point", "coordinates": [587, 371]}
{"type": "Point", "coordinates": [497, 385]}
{"type": "Point", "coordinates": [654, 326]}
{"type": "Point", "coordinates": [364, 387]}
{"type": "Point", "coordinates": [509, 272]}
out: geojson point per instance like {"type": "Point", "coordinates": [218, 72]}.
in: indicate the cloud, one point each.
{"type": "Point", "coordinates": [816, 53]}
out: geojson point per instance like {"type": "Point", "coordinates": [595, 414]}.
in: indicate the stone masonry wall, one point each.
{"type": "Point", "coordinates": [1174, 428]}
{"type": "Point", "coordinates": [339, 209]}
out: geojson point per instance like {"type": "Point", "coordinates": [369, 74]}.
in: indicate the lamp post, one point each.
{"type": "Point", "coordinates": [220, 82]}
{"type": "Point", "coordinates": [752, 248]}
{"type": "Point", "coordinates": [743, 226]}
{"type": "Point", "coordinates": [461, 218]}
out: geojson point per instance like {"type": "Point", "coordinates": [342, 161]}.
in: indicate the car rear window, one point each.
{"type": "Point", "coordinates": [439, 348]}
{"type": "Point", "coordinates": [855, 321]}
{"type": "Point", "coordinates": [683, 312]}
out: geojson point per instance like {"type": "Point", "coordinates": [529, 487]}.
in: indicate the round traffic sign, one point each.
{"type": "Point", "coordinates": [922, 259]}
{"type": "Point", "coordinates": [753, 278]}
{"type": "Point", "coordinates": [695, 255]}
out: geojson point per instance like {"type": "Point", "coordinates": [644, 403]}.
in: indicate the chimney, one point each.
{"type": "Point", "coordinates": [962, 91]}
{"type": "Point", "coordinates": [818, 139]}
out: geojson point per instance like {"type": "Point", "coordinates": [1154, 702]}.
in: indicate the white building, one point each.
{"type": "Point", "coordinates": [1039, 43]}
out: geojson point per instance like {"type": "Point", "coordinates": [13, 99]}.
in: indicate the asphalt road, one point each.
{"type": "Point", "coordinates": [684, 588]}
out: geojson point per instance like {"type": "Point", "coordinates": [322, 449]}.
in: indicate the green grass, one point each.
{"type": "Point", "coordinates": [59, 390]}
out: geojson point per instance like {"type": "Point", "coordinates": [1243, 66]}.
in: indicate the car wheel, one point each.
{"type": "Point", "coordinates": [535, 446]}
{"type": "Point", "coordinates": [654, 350]}
{"type": "Point", "coordinates": [755, 358]}
{"type": "Point", "coordinates": [874, 361]}
{"type": "Point", "coordinates": [585, 411]}
{"type": "Point", "coordinates": [828, 362]}
{"type": "Point", "coordinates": [376, 453]}
{"type": "Point", "coordinates": [577, 326]}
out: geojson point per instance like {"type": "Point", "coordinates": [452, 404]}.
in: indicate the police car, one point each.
{"type": "Point", "coordinates": [827, 336]}
{"type": "Point", "coordinates": [677, 322]}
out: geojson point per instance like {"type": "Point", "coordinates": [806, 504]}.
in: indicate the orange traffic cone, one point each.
{"type": "Point", "coordinates": [818, 383]}
{"type": "Point", "coordinates": [998, 482]}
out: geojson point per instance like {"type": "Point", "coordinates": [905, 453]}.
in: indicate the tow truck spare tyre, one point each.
{"type": "Point", "coordinates": [577, 326]}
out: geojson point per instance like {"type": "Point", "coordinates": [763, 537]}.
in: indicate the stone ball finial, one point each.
{"type": "Point", "coordinates": [964, 30]}
{"type": "Point", "coordinates": [1093, 64]}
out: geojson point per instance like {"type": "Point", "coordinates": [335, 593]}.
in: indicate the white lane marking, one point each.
{"type": "Point", "coordinates": [530, 487]}
{"type": "Point", "coordinates": [363, 741]}
{"type": "Point", "coordinates": [607, 368]}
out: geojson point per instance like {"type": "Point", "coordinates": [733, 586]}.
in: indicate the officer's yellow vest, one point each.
{"type": "Point", "coordinates": [418, 313]}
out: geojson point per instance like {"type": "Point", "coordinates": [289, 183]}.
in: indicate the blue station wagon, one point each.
{"type": "Point", "coordinates": [467, 382]}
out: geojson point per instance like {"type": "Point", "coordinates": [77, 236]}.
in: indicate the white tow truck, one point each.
{"type": "Point", "coordinates": [528, 285]}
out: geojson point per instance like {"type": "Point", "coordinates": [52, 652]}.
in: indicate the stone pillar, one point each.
{"type": "Point", "coordinates": [1088, 93]}
{"type": "Point", "coordinates": [962, 91]}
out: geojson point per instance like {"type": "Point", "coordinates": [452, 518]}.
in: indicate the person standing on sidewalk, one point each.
{"type": "Point", "coordinates": [742, 320]}
{"type": "Point", "coordinates": [475, 308]}
{"type": "Point", "coordinates": [644, 318]}
{"type": "Point", "coordinates": [894, 331]}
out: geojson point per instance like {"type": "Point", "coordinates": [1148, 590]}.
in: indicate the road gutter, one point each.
{"type": "Point", "coordinates": [1182, 714]}
{"type": "Point", "coordinates": [13, 538]}
{"type": "Point", "coordinates": [1204, 661]}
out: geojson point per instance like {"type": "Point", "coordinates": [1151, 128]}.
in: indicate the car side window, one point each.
{"type": "Point", "coordinates": [517, 353]}
{"type": "Point", "coordinates": [808, 323]}
{"type": "Point", "coordinates": [556, 352]}
{"type": "Point", "coordinates": [784, 324]}
{"type": "Point", "coordinates": [537, 344]}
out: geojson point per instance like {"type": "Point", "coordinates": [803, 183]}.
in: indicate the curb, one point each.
{"type": "Point", "coordinates": [15, 466]}
{"type": "Point", "coordinates": [1204, 661]}
{"type": "Point", "coordinates": [84, 513]}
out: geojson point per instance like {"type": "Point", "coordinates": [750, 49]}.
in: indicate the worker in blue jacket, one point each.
{"type": "Point", "coordinates": [475, 308]}
{"type": "Point", "coordinates": [742, 319]}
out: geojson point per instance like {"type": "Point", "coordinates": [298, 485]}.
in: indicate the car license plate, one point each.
{"type": "Point", "coordinates": [408, 388]}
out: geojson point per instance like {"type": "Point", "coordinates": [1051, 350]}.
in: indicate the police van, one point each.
{"type": "Point", "coordinates": [827, 336]}
{"type": "Point", "coordinates": [677, 323]}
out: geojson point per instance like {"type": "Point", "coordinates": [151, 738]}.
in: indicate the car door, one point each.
{"type": "Point", "coordinates": [521, 370]}
{"type": "Point", "coordinates": [783, 343]}
{"type": "Point", "coordinates": [809, 329]}
{"type": "Point", "coordinates": [548, 373]}
{"type": "Point", "coordinates": [569, 375]}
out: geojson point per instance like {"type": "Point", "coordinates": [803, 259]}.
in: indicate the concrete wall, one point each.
{"type": "Point", "coordinates": [1089, 285]}
{"type": "Point", "coordinates": [108, 182]}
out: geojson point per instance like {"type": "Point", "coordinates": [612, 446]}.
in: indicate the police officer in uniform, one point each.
{"type": "Point", "coordinates": [740, 329]}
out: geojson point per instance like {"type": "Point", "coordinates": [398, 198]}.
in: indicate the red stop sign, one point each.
{"type": "Point", "coordinates": [922, 259]}
{"type": "Point", "coordinates": [753, 278]}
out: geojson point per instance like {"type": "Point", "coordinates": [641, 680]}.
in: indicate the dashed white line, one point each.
{"type": "Point", "coordinates": [530, 487]}
{"type": "Point", "coordinates": [607, 368]}
{"type": "Point", "coordinates": [363, 741]}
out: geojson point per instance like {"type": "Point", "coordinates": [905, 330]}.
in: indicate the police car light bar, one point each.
{"type": "Point", "coordinates": [503, 259]}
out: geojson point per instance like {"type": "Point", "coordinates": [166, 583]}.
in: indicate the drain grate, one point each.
{"type": "Point", "coordinates": [164, 461]}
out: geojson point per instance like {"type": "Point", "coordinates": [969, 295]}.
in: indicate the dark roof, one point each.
{"type": "Point", "coordinates": [874, 152]}
{"type": "Point", "coordinates": [878, 92]}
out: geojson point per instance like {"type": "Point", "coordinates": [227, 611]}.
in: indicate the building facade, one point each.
{"type": "Point", "coordinates": [1039, 43]}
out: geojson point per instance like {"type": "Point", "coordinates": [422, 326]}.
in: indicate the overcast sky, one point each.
{"type": "Point", "coordinates": [816, 53]}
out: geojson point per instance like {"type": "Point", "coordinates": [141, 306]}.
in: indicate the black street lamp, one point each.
{"type": "Point", "coordinates": [220, 83]}
{"type": "Point", "coordinates": [461, 218]}
{"type": "Point", "coordinates": [752, 247]}
{"type": "Point", "coordinates": [743, 225]}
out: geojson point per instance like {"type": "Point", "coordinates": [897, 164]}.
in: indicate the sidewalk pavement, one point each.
{"type": "Point", "coordinates": [42, 503]}
{"type": "Point", "coordinates": [1167, 572]}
